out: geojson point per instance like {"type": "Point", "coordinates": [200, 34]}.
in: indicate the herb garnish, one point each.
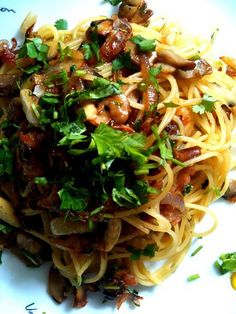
{"type": "Point", "coordinates": [148, 251]}
{"type": "Point", "coordinates": [61, 24]}
{"type": "Point", "coordinates": [144, 45]}
{"type": "Point", "coordinates": [207, 105]}
{"type": "Point", "coordinates": [226, 263]}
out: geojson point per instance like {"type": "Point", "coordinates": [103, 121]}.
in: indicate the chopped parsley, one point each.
{"type": "Point", "coordinates": [35, 49]}
{"type": "Point", "coordinates": [5, 228]}
{"type": "Point", "coordinates": [148, 251]}
{"type": "Point", "coordinates": [6, 157]}
{"type": "Point", "coordinates": [73, 198]}
{"type": "Point", "coordinates": [165, 147]}
{"type": "Point", "coordinates": [226, 263]}
{"type": "Point", "coordinates": [207, 105]}
{"type": "Point", "coordinates": [153, 72]}
{"type": "Point", "coordinates": [41, 180]}
{"type": "Point", "coordinates": [87, 50]}
{"type": "Point", "coordinates": [122, 61]}
{"type": "Point", "coordinates": [113, 2]}
{"type": "Point", "coordinates": [61, 24]}
{"type": "Point", "coordinates": [144, 45]}
{"type": "Point", "coordinates": [98, 89]}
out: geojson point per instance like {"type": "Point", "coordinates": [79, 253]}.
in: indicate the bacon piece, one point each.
{"type": "Point", "coordinates": [184, 177]}
{"type": "Point", "coordinates": [172, 214]}
{"type": "Point", "coordinates": [187, 153]}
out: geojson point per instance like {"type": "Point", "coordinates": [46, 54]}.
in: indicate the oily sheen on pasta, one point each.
{"type": "Point", "coordinates": [115, 138]}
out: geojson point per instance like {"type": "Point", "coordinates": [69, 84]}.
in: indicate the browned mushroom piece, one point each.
{"type": "Point", "coordinates": [230, 194]}
{"type": "Point", "coordinates": [8, 84]}
{"type": "Point", "coordinates": [169, 57]}
{"type": "Point", "coordinates": [101, 27]}
{"type": "Point", "coordinates": [116, 39]}
{"type": "Point", "coordinates": [135, 11]}
{"type": "Point", "coordinates": [57, 285]}
{"type": "Point", "coordinates": [202, 67]}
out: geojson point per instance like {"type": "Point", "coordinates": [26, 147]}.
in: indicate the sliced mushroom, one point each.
{"type": "Point", "coordinates": [100, 27]}
{"type": "Point", "coordinates": [202, 68]}
{"type": "Point", "coordinates": [112, 234]}
{"type": "Point", "coordinates": [116, 39]}
{"type": "Point", "coordinates": [8, 84]}
{"type": "Point", "coordinates": [7, 213]}
{"type": "Point", "coordinates": [231, 62]}
{"type": "Point", "coordinates": [57, 285]}
{"type": "Point", "coordinates": [80, 299]}
{"type": "Point", "coordinates": [231, 192]}
{"type": "Point", "coordinates": [29, 243]}
{"type": "Point", "coordinates": [135, 11]}
{"type": "Point", "coordinates": [28, 101]}
{"type": "Point", "coordinates": [168, 56]}
{"type": "Point", "coordinates": [61, 227]}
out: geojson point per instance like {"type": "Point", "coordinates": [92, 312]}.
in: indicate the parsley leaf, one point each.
{"type": "Point", "coordinates": [88, 52]}
{"type": "Point", "coordinates": [164, 145]}
{"type": "Point", "coordinates": [73, 198]}
{"type": "Point", "coordinates": [149, 251]}
{"type": "Point", "coordinates": [98, 89]}
{"type": "Point", "coordinates": [72, 133]}
{"type": "Point", "coordinates": [34, 49]}
{"type": "Point", "coordinates": [122, 61]}
{"type": "Point", "coordinates": [61, 24]}
{"type": "Point", "coordinates": [153, 72]}
{"type": "Point", "coordinates": [207, 105]}
{"type": "Point", "coordinates": [41, 180]}
{"type": "Point", "coordinates": [113, 2]}
{"type": "Point", "coordinates": [144, 45]}
{"type": "Point", "coordinates": [226, 263]}
{"type": "Point", "coordinates": [5, 228]}
{"type": "Point", "coordinates": [112, 144]}
{"type": "Point", "coordinates": [6, 157]}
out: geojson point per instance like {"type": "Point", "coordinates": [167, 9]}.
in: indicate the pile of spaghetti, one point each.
{"type": "Point", "coordinates": [115, 138]}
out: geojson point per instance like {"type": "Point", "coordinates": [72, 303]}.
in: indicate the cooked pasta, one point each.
{"type": "Point", "coordinates": [115, 141]}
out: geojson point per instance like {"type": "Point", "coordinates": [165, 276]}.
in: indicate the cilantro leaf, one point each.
{"type": "Point", "coordinates": [207, 105]}
{"type": "Point", "coordinates": [226, 263]}
{"type": "Point", "coordinates": [144, 45]}
{"type": "Point", "coordinates": [113, 2]}
{"type": "Point", "coordinates": [61, 24]}
{"type": "Point", "coordinates": [73, 198]}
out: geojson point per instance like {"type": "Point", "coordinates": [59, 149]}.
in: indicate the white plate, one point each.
{"type": "Point", "coordinates": [21, 286]}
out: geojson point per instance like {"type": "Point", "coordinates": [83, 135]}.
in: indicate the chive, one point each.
{"type": "Point", "coordinates": [96, 211]}
{"type": "Point", "coordinates": [193, 277]}
{"type": "Point", "coordinates": [80, 73]}
{"type": "Point", "coordinates": [111, 287]}
{"type": "Point", "coordinates": [197, 250]}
